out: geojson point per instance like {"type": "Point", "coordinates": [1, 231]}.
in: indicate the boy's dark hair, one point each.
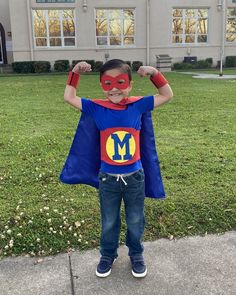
{"type": "Point", "coordinates": [116, 64]}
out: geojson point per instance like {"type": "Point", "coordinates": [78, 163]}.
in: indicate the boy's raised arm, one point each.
{"type": "Point", "coordinates": [164, 90]}
{"type": "Point", "coordinates": [72, 82]}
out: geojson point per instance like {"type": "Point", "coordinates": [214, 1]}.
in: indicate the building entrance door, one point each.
{"type": "Point", "coordinates": [1, 51]}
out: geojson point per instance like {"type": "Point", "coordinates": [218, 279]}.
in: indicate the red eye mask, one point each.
{"type": "Point", "coordinates": [120, 82]}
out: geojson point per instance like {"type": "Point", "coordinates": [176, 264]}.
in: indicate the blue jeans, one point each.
{"type": "Point", "coordinates": [111, 193]}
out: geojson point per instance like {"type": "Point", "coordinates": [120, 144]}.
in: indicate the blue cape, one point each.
{"type": "Point", "coordinates": [83, 162]}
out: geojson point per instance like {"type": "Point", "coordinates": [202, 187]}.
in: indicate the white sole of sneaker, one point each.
{"type": "Point", "coordinates": [103, 275]}
{"type": "Point", "coordinates": [139, 275]}
{"type": "Point", "coordinates": [106, 274]}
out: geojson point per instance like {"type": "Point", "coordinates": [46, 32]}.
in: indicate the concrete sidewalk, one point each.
{"type": "Point", "coordinates": [196, 265]}
{"type": "Point", "coordinates": [209, 76]}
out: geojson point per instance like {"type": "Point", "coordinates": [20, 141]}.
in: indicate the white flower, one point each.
{"type": "Point", "coordinates": [38, 240]}
{"type": "Point", "coordinates": [49, 220]}
{"type": "Point", "coordinates": [9, 231]}
{"type": "Point", "coordinates": [19, 235]}
{"type": "Point", "coordinates": [77, 224]}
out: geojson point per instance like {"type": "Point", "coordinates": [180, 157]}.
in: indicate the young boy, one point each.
{"type": "Point", "coordinates": [121, 175]}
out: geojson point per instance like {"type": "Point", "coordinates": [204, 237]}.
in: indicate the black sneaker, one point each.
{"type": "Point", "coordinates": [139, 269]}
{"type": "Point", "coordinates": [104, 267]}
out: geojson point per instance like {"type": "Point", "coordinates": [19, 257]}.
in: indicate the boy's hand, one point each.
{"type": "Point", "coordinates": [147, 71]}
{"type": "Point", "coordinates": [81, 67]}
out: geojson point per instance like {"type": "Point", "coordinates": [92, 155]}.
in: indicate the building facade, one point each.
{"type": "Point", "coordinates": [132, 30]}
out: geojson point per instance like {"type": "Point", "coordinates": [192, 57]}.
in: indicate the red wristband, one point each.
{"type": "Point", "coordinates": [158, 80]}
{"type": "Point", "coordinates": [73, 79]}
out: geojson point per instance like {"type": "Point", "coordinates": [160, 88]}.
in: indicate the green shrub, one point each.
{"type": "Point", "coordinates": [23, 67]}
{"type": "Point", "coordinates": [183, 66]}
{"type": "Point", "coordinates": [135, 65]}
{"type": "Point", "coordinates": [177, 66]}
{"type": "Point", "coordinates": [209, 60]}
{"type": "Point", "coordinates": [61, 65]}
{"type": "Point", "coordinates": [97, 66]}
{"type": "Point", "coordinates": [202, 64]}
{"type": "Point", "coordinates": [230, 61]}
{"type": "Point", "coordinates": [42, 67]}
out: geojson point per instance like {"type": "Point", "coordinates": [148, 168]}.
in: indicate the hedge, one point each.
{"type": "Point", "coordinates": [230, 61]}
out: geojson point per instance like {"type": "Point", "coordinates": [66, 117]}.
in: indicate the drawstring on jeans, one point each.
{"type": "Point", "coordinates": [119, 176]}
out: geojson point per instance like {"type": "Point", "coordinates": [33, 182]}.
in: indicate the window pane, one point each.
{"type": "Point", "coordinates": [101, 13]}
{"type": "Point", "coordinates": [115, 14]}
{"type": "Point", "coordinates": [189, 39]}
{"type": "Point", "coordinates": [231, 37]}
{"type": "Point", "coordinates": [102, 41]}
{"type": "Point", "coordinates": [178, 12]}
{"type": "Point", "coordinates": [101, 27]}
{"type": "Point", "coordinates": [69, 41]}
{"type": "Point", "coordinates": [202, 13]}
{"type": "Point", "coordinates": [190, 12]}
{"type": "Point", "coordinates": [129, 40]}
{"type": "Point", "coordinates": [129, 14]}
{"type": "Point", "coordinates": [115, 41]}
{"type": "Point", "coordinates": [115, 27]}
{"type": "Point", "coordinates": [39, 14]}
{"type": "Point", "coordinates": [231, 12]}
{"type": "Point", "coordinates": [202, 38]}
{"type": "Point", "coordinates": [231, 26]}
{"type": "Point", "coordinates": [41, 42]}
{"type": "Point", "coordinates": [177, 26]}
{"type": "Point", "coordinates": [68, 28]}
{"type": "Point", "coordinates": [40, 27]}
{"type": "Point", "coordinates": [128, 27]}
{"type": "Point", "coordinates": [55, 42]}
{"type": "Point", "coordinates": [190, 26]}
{"type": "Point", "coordinates": [177, 39]}
{"type": "Point", "coordinates": [202, 26]}
{"type": "Point", "coordinates": [54, 28]}
{"type": "Point", "coordinates": [49, 23]}
{"type": "Point", "coordinates": [68, 14]}
{"type": "Point", "coordinates": [54, 13]}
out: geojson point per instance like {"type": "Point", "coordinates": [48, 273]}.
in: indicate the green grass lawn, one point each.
{"type": "Point", "coordinates": [196, 141]}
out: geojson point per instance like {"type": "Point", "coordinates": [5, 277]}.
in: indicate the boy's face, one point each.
{"type": "Point", "coordinates": [116, 85]}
